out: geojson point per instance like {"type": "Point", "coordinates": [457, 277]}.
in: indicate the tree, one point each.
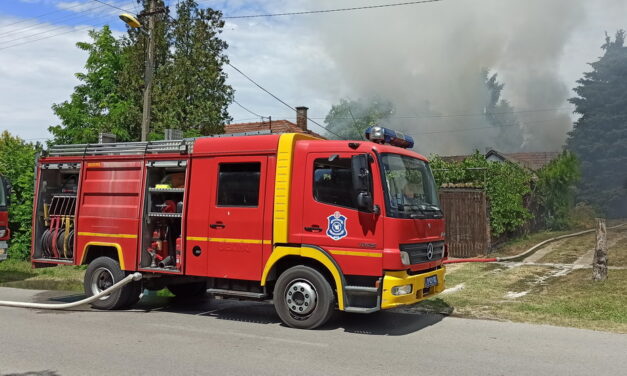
{"type": "Point", "coordinates": [350, 118]}
{"type": "Point", "coordinates": [96, 104]}
{"type": "Point", "coordinates": [17, 163]}
{"type": "Point", "coordinates": [192, 94]}
{"type": "Point", "coordinates": [599, 136]}
{"type": "Point", "coordinates": [190, 90]}
{"type": "Point", "coordinates": [500, 114]}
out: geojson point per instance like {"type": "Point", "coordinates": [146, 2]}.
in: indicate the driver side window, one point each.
{"type": "Point", "coordinates": [333, 182]}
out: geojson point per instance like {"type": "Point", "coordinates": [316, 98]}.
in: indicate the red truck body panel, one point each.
{"type": "Point", "coordinates": [120, 203]}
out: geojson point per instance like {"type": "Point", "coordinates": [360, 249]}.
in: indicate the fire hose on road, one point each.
{"type": "Point", "coordinates": [527, 252]}
{"type": "Point", "coordinates": [128, 279]}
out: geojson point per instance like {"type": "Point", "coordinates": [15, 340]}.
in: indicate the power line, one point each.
{"type": "Point", "coordinates": [43, 14]}
{"type": "Point", "coordinates": [50, 36]}
{"type": "Point", "coordinates": [239, 104]}
{"type": "Point", "coordinates": [479, 128]}
{"type": "Point", "coordinates": [113, 6]}
{"type": "Point", "coordinates": [35, 34]}
{"type": "Point", "coordinates": [280, 100]}
{"type": "Point", "coordinates": [43, 23]}
{"type": "Point", "coordinates": [47, 30]}
{"type": "Point", "coordinates": [455, 115]}
{"type": "Point", "coordinates": [333, 10]}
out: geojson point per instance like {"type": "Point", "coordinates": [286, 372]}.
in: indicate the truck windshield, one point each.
{"type": "Point", "coordinates": [410, 186]}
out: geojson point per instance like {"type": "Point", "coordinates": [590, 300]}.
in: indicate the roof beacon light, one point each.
{"type": "Point", "coordinates": [381, 135]}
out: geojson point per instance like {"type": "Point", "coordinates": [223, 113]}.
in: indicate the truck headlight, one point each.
{"type": "Point", "coordinates": [401, 290]}
{"type": "Point", "coordinates": [405, 258]}
{"type": "Point", "coordinates": [2, 233]}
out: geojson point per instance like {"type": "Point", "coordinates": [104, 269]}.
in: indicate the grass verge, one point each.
{"type": "Point", "coordinates": [20, 274]}
{"type": "Point", "coordinates": [535, 294]}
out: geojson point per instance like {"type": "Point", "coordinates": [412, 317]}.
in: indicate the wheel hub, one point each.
{"type": "Point", "coordinates": [101, 280]}
{"type": "Point", "coordinates": [301, 297]}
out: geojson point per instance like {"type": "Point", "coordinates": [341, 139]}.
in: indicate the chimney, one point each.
{"type": "Point", "coordinates": [301, 117]}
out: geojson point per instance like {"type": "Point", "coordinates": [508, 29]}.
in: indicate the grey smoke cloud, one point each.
{"type": "Point", "coordinates": [427, 59]}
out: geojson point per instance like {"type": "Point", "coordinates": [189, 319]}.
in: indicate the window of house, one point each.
{"type": "Point", "coordinates": [333, 182]}
{"type": "Point", "coordinates": [238, 184]}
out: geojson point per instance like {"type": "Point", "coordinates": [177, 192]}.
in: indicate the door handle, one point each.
{"type": "Point", "coordinates": [217, 225]}
{"type": "Point", "coordinates": [313, 228]}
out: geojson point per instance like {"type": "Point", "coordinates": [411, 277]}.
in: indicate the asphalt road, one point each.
{"type": "Point", "coordinates": [165, 336]}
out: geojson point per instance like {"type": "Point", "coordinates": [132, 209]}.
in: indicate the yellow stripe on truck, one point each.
{"type": "Point", "coordinates": [114, 245]}
{"type": "Point", "coordinates": [308, 252]}
{"type": "Point", "coordinates": [228, 240]}
{"type": "Point", "coordinates": [355, 253]}
{"type": "Point", "coordinates": [102, 235]}
{"type": "Point", "coordinates": [283, 184]}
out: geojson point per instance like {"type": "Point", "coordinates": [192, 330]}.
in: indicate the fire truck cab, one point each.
{"type": "Point", "coordinates": [5, 232]}
{"type": "Point", "coordinates": [313, 225]}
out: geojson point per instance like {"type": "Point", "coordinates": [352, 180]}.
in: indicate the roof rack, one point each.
{"type": "Point", "coordinates": [184, 146]}
{"type": "Point", "coordinates": [123, 148]}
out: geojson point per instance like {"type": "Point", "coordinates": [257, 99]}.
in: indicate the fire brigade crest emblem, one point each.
{"type": "Point", "coordinates": [336, 229]}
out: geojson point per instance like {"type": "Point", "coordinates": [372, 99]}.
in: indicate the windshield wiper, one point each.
{"type": "Point", "coordinates": [426, 209]}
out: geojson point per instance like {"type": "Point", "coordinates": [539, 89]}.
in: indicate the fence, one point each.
{"type": "Point", "coordinates": [467, 221]}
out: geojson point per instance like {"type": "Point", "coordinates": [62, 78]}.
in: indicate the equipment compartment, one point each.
{"type": "Point", "coordinates": [56, 209]}
{"type": "Point", "coordinates": [163, 211]}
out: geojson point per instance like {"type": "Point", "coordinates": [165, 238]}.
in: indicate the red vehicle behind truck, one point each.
{"type": "Point", "coordinates": [5, 232]}
{"type": "Point", "coordinates": [313, 225]}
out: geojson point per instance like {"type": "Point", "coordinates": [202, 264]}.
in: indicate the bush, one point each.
{"type": "Point", "coordinates": [555, 190]}
{"type": "Point", "coordinates": [506, 185]}
{"type": "Point", "coordinates": [17, 163]}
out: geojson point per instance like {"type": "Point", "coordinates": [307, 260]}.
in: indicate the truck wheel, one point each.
{"type": "Point", "coordinates": [103, 273]}
{"type": "Point", "coordinates": [189, 290]}
{"type": "Point", "coordinates": [303, 298]}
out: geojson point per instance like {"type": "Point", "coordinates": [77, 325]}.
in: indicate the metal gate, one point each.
{"type": "Point", "coordinates": [467, 221]}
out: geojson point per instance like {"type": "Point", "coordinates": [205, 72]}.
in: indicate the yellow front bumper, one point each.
{"type": "Point", "coordinates": [418, 293]}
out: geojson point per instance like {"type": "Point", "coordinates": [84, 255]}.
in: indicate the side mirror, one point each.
{"type": "Point", "coordinates": [361, 182]}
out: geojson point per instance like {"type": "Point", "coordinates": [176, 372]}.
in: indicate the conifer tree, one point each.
{"type": "Point", "coordinates": [599, 137]}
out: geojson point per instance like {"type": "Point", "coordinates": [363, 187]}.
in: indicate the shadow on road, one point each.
{"type": "Point", "coordinates": [390, 323]}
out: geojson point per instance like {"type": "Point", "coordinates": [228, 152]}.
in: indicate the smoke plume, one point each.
{"type": "Point", "coordinates": [428, 60]}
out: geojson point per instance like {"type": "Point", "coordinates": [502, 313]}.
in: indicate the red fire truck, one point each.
{"type": "Point", "coordinates": [313, 225]}
{"type": "Point", "coordinates": [5, 233]}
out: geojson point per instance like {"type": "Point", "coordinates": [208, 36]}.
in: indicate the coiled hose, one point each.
{"type": "Point", "coordinates": [128, 279]}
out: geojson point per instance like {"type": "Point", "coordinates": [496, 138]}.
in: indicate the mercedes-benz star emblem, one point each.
{"type": "Point", "coordinates": [430, 251]}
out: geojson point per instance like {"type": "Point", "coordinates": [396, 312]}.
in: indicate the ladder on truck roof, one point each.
{"type": "Point", "coordinates": [123, 148]}
{"type": "Point", "coordinates": [183, 146]}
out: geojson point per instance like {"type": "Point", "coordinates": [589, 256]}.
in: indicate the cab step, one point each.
{"type": "Point", "coordinates": [241, 294]}
{"type": "Point", "coordinates": [361, 309]}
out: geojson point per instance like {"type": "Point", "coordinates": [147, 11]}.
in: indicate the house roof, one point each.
{"type": "Point", "coordinates": [533, 161]}
{"type": "Point", "coordinates": [275, 126]}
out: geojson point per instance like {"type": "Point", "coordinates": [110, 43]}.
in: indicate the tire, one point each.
{"type": "Point", "coordinates": [303, 298]}
{"type": "Point", "coordinates": [102, 273]}
{"type": "Point", "coordinates": [189, 290]}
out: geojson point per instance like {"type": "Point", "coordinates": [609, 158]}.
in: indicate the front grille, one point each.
{"type": "Point", "coordinates": [418, 252]}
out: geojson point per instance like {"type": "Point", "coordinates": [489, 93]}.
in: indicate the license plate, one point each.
{"type": "Point", "coordinates": [431, 281]}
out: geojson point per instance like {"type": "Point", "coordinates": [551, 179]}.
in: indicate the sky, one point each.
{"type": "Point", "coordinates": [315, 60]}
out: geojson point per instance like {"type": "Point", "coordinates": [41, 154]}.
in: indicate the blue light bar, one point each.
{"type": "Point", "coordinates": [382, 135]}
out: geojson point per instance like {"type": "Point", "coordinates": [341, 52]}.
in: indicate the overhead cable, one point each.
{"type": "Point", "coordinates": [239, 104]}
{"type": "Point", "coordinates": [280, 100]}
{"type": "Point", "coordinates": [332, 10]}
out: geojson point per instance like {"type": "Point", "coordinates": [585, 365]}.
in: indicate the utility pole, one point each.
{"type": "Point", "coordinates": [150, 62]}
